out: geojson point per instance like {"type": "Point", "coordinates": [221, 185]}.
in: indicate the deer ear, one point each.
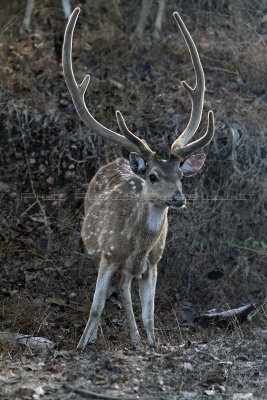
{"type": "Point", "coordinates": [192, 164]}
{"type": "Point", "coordinates": [137, 163]}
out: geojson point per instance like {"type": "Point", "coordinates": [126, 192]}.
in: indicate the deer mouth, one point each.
{"type": "Point", "coordinates": [172, 204]}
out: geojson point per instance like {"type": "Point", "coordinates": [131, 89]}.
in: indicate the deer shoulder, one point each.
{"type": "Point", "coordinates": [115, 221]}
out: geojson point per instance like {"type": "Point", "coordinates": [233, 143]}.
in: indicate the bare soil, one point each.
{"type": "Point", "coordinates": [223, 368]}
{"type": "Point", "coordinates": [216, 249]}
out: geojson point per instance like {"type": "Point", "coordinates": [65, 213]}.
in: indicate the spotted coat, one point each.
{"type": "Point", "coordinates": [117, 226]}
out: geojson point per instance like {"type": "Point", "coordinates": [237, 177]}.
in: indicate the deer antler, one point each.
{"type": "Point", "coordinates": [179, 148]}
{"type": "Point", "coordinates": [132, 142]}
{"type": "Point", "coordinates": [143, 147]}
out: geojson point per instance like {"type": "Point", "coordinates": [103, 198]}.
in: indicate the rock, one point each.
{"type": "Point", "coordinates": [5, 187]}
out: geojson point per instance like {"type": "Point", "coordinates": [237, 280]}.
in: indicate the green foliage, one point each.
{"type": "Point", "coordinates": [250, 244]}
{"type": "Point", "coordinates": [230, 7]}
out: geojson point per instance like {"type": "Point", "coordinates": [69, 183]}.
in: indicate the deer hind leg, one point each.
{"type": "Point", "coordinates": [125, 290]}
{"type": "Point", "coordinates": [103, 279]}
{"type": "Point", "coordinates": [147, 288]}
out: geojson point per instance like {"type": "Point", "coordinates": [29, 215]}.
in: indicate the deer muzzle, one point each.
{"type": "Point", "coordinates": [177, 201]}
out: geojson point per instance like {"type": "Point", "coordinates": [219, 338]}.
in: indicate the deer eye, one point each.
{"type": "Point", "coordinates": [153, 178]}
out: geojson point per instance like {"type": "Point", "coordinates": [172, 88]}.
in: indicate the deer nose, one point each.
{"type": "Point", "coordinates": [178, 200]}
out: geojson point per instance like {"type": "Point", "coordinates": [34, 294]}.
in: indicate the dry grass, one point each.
{"type": "Point", "coordinates": [222, 230]}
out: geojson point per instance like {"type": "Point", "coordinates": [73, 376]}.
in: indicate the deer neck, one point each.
{"type": "Point", "coordinates": [155, 217]}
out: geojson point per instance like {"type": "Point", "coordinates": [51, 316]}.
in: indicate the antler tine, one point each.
{"type": "Point", "coordinates": [196, 94]}
{"type": "Point", "coordinates": [77, 91]}
{"type": "Point", "coordinates": [143, 147]}
{"type": "Point", "coordinates": [186, 151]}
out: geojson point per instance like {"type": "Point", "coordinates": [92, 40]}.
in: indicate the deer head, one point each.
{"type": "Point", "coordinates": [162, 177]}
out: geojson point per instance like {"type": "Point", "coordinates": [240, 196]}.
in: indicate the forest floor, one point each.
{"type": "Point", "coordinates": [47, 159]}
{"type": "Point", "coordinates": [224, 367]}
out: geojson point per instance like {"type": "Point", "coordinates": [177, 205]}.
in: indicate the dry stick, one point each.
{"type": "Point", "coordinates": [28, 209]}
{"type": "Point", "coordinates": [88, 393]}
{"type": "Point", "coordinates": [30, 175]}
{"type": "Point", "coordinates": [240, 314]}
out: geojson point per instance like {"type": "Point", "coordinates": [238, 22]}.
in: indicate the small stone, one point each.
{"type": "Point", "coordinates": [64, 102]}
{"type": "Point", "coordinates": [13, 195]}
{"type": "Point", "coordinates": [4, 187]}
{"type": "Point", "coordinates": [187, 366]}
{"type": "Point", "coordinates": [209, 392]}
{"type": "Point", "coordinates": [50, 180]}
{"type": "Point", "coordinates": [42, 168]}
{"type": "Point", "coordinates": [39, 391]}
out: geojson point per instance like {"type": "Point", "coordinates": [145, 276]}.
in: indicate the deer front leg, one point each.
{"type": "Point", "coordinates": [147, 289]}
{"type": "Point", "coordinates": [125, 289]}
{"type": "Point", "coordinates": [103, 279]}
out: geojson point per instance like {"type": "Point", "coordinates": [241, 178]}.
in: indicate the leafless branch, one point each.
{"type": "Point", "coordinates": [88, 393]}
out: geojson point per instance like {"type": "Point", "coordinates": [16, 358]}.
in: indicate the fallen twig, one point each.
{"type": "Point", "coordinates": [88, 394]}
{"type": "Point", "coordinates": [223, 318]}
{"type": "Point", "coordinates": [27, 340]}
{"type": "Point", "coordinates": [46, 222]}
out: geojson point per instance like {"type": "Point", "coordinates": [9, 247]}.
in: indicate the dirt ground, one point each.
{"type": "Point", "coordinates": [216, 251]}
{"type": "Point", "coordinates": [222, 368]}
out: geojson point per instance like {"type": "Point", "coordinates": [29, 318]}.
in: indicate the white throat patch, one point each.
{"type": "Point", "coordinates": [155, 217]}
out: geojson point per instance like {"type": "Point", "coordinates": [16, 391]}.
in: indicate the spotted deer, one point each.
{"type": "Point", "coordinates": [127, 201]}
